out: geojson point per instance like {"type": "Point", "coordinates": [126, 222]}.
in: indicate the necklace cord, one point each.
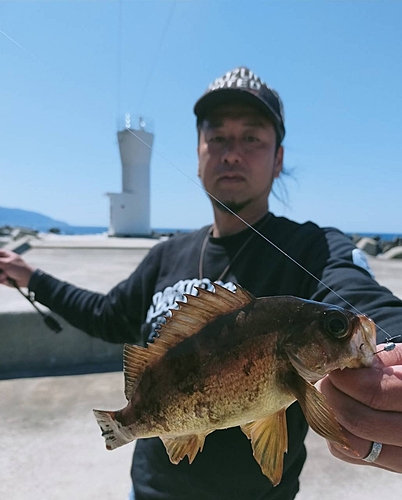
{"type": "Point", "coordinates": [237, 254]}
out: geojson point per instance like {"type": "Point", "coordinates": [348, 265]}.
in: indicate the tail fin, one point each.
{"type": "Point", "coordinates": [113, 431]}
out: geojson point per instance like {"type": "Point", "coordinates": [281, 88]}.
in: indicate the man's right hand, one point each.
{"type": "Point", "coordinates": [14, 267]}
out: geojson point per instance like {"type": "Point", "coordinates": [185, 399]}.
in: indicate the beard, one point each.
{"type": "Point", "coordinates": [230, 206]}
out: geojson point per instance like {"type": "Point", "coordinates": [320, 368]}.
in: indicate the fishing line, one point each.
{"type": "Point", "coordinates": [19, 45]}
{"type": "Point", "coordinates": [16, 43]}
{"type": "Point", "coordinates": [389, 338]}
{"type": "Point", "coordinates": [158, 49]}
{"type": "Point", "coordinates": [119, 57]}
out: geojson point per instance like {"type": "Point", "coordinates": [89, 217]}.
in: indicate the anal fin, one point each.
{"type": "Point", "coordinates": [269, 440]}
{"type": "Point", "coordinates": [317, 411]}
{"type": "Point", "coordinates": [179, 446]}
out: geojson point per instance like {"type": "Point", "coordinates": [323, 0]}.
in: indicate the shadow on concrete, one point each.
{"type": "Point", "coordinates": [58, 371]}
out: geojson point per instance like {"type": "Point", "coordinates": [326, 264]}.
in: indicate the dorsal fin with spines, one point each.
{"type": "Point", "coordinates": [187, 320]}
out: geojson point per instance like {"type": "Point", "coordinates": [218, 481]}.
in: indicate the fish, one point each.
{"type": "Point", "coordinates": [226, 359]}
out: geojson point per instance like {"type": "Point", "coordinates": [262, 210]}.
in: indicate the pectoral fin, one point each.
{"type": "Point", "coordinates": [180, 446]}
{"type": "Point", "coordinates": [318, 413]}
{"type": "Point", "coordinates": [269, 440]}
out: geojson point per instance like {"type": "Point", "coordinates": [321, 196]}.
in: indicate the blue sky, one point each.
{"type": "Point", "coordinates": [71, 69]}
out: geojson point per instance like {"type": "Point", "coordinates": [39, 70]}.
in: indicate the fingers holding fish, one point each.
{"type": "Point", "coordinates": [362, 424]}
{"type": "Point", "coordinates": [389, 458]}
{"type": "Point", "coordinates": [378, 387]}
{"type": "Point", "coordinates": [383, 424]}
{"type": "Point", "coordinates": [389, 358]}
{"type": "Point", "coordinates": [384, 394]}
{"type": "Point", "coordinates": [360, 419]}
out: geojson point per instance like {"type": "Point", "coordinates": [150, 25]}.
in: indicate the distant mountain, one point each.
{"type": "Point", "coordinates": [39, 222]}
{"type": "Point", "coordinates": [31, 220]}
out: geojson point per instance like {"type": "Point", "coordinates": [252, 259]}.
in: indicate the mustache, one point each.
{"type": "Point", "coordinates": [223, 170]}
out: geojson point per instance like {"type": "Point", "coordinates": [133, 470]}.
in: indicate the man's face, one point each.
{"type": "Point", "coordinates": [237, 159]}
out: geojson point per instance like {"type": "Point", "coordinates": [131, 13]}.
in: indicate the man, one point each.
{"type": "Point", "coordinates": [241, 128]}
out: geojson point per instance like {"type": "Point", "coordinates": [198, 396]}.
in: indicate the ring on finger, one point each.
{"type": "Point", "coordinates": [374, 452]}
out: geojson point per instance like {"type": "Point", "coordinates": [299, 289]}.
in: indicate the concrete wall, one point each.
{"type": "Point", "coordinates": [28, 347]}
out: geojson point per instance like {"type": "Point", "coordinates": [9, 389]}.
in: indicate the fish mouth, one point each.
{"type": "Point", "coordinates": [363, 343]}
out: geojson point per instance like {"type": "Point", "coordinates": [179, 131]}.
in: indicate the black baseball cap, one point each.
{"type": "Point", "coordinates": [242, 84]}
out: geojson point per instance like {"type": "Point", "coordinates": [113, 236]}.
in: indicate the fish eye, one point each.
{"type": "Point", "coordinates": [336, 324]}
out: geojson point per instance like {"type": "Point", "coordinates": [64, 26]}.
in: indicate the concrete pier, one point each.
{"type": "Point", "coordinates": [27, 346]}
{"type": "Point", "coordinates": [51, 446]}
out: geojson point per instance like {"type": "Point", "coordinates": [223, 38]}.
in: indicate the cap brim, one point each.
{"type": "Point", "coordinates": [223, 96]}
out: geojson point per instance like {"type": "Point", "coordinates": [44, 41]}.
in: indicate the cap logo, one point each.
{"type": "Point", "coordinates": [245, 82]}
{"type": "Point", "coordinates": [240, 78]}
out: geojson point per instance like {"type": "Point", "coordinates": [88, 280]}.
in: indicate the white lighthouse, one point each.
{"type": "Point", "coordinates": [130, 209]}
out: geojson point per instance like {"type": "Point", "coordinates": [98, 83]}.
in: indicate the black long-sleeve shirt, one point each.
{"type": "Point", "coordinates": [130, 312]}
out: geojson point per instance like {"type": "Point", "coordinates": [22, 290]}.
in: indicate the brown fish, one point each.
{"type": "Point", "coordinates": [229, 359]}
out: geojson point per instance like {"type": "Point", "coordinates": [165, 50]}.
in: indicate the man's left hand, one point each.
{"type": "Point", "coordinates": [367, 402]}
